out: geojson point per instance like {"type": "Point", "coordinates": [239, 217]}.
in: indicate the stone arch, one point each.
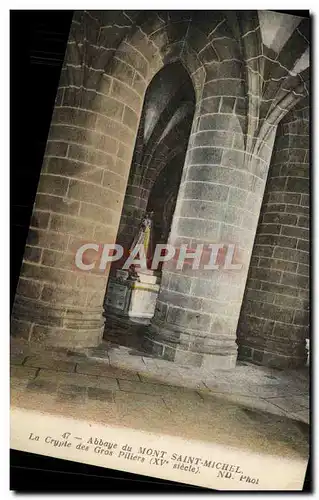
{"type": "Point", "coordinates": [171, 123]}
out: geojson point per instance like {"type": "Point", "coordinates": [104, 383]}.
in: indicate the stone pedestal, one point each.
{"type": "Point", "coordinates": [132, 298]}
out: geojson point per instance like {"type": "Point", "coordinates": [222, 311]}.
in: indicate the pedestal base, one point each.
{"type": "Point", "coordinates": [130, 298]}
{"type": "Point", "coordinates": [208, 353]}
{"type": "Point", "coordinates": [56, 325]}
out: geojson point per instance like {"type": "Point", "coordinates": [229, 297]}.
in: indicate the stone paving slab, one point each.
{"type": "Point", "coordinates": [79, 379]}
{"type": "Point", "coordinates": [217, 420]}
{"type": "Point", "coordinates": [104, 370]}
{"type": "Point", "coordinates": [118, 370]}
{"type": "Point", "coordinates": [146, 388]}
{"type": "Point", "coordinates": [287, 404]}
{"type": "Point", "coordinates": [50, 362]}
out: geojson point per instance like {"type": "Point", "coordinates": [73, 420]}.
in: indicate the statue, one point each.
{"type": "Point", "coordinates": [143, 237]}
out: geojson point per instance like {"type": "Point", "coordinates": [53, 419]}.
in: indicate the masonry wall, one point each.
{"type": "Point", "coordinates": [274, 320]}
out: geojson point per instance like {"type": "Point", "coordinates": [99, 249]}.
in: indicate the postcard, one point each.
{"type": "Point", "coordinates": [160, 323]}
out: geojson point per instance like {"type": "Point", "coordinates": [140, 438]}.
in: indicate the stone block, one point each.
{"type": "Point", "coordinates": [130, 118]}
{"type": "Point", "coordinates": [304, 200]}
{"type": "Point", "coordinates": [181, 300]}
{"type": "Point", "coordinates": [304, 246]}
{"type": "Point", "coordinates": [32, 254]}
{"type": "Point", "coordinates": [40, 219]}
{"type": "Point", "coordinates": [126, 95]}
{"type": "Point", "coordinates": [291, 302]}
{"type": "Point", "coordinates": [74, 116]}
{"type": "Point", "coordinates": [297, 209]}
{"type": "Point", "coordinates": [49, 362]}
{"type": "Point", "coordinates": [53, 184]}
{"type": "Point", "coordinates": [205, 192]}
{"type": "Point", "coordinates": [57, 204]}
{"type": "Point", "coordinates": [220, 122]}
{"type": "Point", "coordinates": [290, 332]}
{"type": "Point", "coordinates": [263, 250]}
{"type": "Point", "coordinates": [212, 138]}
{"type": "Point", "coordinates": [276, 184]}
{"type": "Point", "coordinates": [67, 296]}
{"type": "Point", "coordinates": [292, 255]}
{"type": "Point", "coordinates": [98, 214]}
{"type": "Point", "coordinates": [57, 259]}
{"type": "Point", "coordinates": [120, 70]}
{"type": "Point", "coordinates": [224, 87]}
{"type": "Point", "coordinates": [98, 394]}
{"type": "Point", "coordinates": [188, 358]}
{"type": "Point", "coordinates": [211, 362]}
{"type": "Point", "coordinates": [295, 280]}
{"type": "Point", "coordinates": [298, 185]}
{"type": "Point", "coordinates": [180, 283]}
{"type": "Point", "coordinates": [169, 353]}
{"type": "Point", "coordinates": [21, 329]}
{"type": "Point", "coordinates": [269, 228]}
{"type": "Point", "coordinates": [42, 386]}
{"type": "Point", "coordinates": [188, 319]}
{"type": "Point", "coordinates": [280, 265]}
{"type": "Point", "coordinates": [276, 240]}
{"type": "Point", "coordinates": [114, 129]}
{"type": "Point", "coordinates": [153, 347]}
{"type": "Point", "coordinates": [303, 222]}
{"type": "Point", "coordinates": [83, 191]}
{"type": "Point", "coordinates": [71, 225]}
{"type": "Point", "coordinates": [295, 232]}
{"type": "Point", "coordinates": [47, 239]}
{"type": "Point", "coordinates": [259, 296]}
{"type": "Point", "coordinates": [114, 182]}
{"type": "Point", "coordinates": [197, 228]}
{"type": "Point", "coordinates": [83, 136]}
{"type": "Point", "coordinates": [29, 288]}
{"type": "Point", "coordinates": [56, 148]}
{"type": "Point", "coordinates": [139, 84]}
{"type": "Point", "coordinates": [303, 269]}
{"type": "Point", "coordinates": [208, 105]}
{"type": "Point", "coordinates": [204, 209]}
{"type": "Point", "coordinates": [280, 218]}
{"type": "Point", "coordinates": [295, 170]}
{"type": "Point", "coordinates": [244, 352]}
{"type": "Point", "coordinates": [205, 155]}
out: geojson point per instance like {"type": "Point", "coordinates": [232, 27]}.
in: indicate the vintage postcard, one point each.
{"type": "Point", "coordinates": [160, 323]}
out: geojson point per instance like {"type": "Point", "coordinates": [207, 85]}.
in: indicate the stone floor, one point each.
{"type": "Point", "coordinates": [248, 412]}
{"type": "Point", "coordinates": [112, 372]}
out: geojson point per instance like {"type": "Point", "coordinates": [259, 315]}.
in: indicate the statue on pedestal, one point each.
{"type": "Point", "coordinates": [143, 237]}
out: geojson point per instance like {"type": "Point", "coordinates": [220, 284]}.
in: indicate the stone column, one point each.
{"type": "Point", "coordinates": [218, 202]}
{"type": "Point", "coordinates": [81, 188]}
{"type": "Point", "coordinates": [275, 317]}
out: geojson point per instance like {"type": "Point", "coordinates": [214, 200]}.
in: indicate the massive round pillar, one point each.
{"type": "Point", "coordinates": [218, 202]}
{"type": "Point", "coordinates": [82, 185]}
{"type": "Point", "coordinates": [274, 322]}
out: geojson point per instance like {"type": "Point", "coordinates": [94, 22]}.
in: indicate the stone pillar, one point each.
{"type": "Point", "coordinates": [274, 319]}
{"type": "Point", "coordinates": [81, 188]}
{"type": "Point", "coordinates": [218, 202]}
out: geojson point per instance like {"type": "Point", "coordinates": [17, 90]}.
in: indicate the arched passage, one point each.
{"type": "Point", "coordinates": [156, 170]}
{"type": "Point", "coordinates": [164, 127]}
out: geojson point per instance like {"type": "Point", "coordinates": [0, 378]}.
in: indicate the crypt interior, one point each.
{"type": "Point", "coordinates": [201, 118]}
